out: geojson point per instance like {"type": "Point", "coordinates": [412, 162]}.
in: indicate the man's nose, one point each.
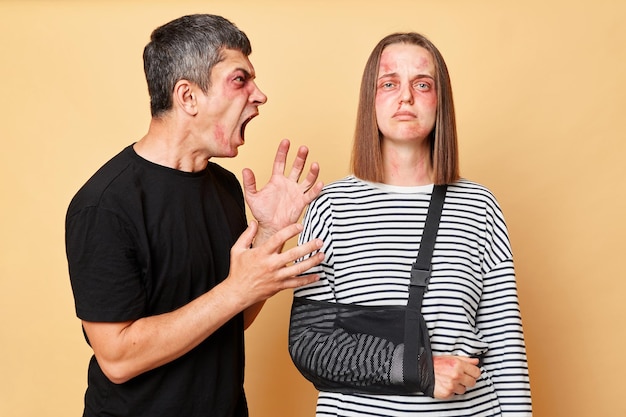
{"type": "Point", "coordinates": [257, 96]}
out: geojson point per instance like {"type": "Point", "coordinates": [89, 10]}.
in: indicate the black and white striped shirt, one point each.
{"type": "Point", "coordinates": [371, 235]}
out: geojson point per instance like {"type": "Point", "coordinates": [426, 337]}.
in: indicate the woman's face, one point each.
{"type": "Point", "coordinates": [406, 96]}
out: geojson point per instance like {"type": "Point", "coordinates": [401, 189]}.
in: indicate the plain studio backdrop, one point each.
{"type": "Point", "coordinates": [540, 93]}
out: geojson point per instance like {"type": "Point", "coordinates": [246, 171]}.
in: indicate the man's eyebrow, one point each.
{"type": "Point", "coordinates": [248, 74]}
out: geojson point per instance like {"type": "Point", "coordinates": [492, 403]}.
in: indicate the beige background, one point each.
{"type": "Point", "coordinates": [540, 94]}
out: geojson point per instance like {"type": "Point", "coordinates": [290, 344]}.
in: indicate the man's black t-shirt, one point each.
{"type": "Point", "coordinates": [141, 240]}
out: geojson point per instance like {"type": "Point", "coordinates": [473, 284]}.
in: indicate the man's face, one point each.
{"type": "Point", "coordinates": [231, 102]}
{"type": "Point", "coordinates": [406, 96]}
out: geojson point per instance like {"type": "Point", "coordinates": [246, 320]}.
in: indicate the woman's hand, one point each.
{"type": "Point", "coordinates": [454, 375]}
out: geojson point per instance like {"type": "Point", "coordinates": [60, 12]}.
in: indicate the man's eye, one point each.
{"type": "Point", "coordinates": [422, 86]}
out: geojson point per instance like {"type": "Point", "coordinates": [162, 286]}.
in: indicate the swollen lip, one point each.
{"type": "Point", "coordinates": [404, 115]}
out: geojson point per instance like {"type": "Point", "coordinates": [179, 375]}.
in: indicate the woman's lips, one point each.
{"type": "Point", "coordinates": [404, 115]}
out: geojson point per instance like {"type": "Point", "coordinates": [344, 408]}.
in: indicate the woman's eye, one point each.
{"type": "Point", "coordinates": [422, 86]}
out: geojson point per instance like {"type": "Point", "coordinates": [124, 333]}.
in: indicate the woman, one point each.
{"type": "Point", "coordinates": [371, 224]}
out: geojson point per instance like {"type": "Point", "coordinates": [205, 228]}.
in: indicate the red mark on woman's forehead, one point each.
{"type": "Point", "coordinates": [397, 56]}
{"type": "Point", "coordinates": [387, 64]}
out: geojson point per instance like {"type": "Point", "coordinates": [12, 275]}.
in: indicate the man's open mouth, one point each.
{"type": "Point", "coordinates": [244, 124]}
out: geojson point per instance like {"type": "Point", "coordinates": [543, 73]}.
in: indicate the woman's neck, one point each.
{"type": "Point", "coordinates": [407, 167]}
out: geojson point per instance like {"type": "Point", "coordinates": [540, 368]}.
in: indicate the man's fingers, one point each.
{"type": "Point", "coordinates": [301, 251]}
{"type": "Point", "coordinates": [280, 160]}
{"type": "Point", "coordinates": [311, 177]}
{"type": "Point", "coordinates": [247, 237]}
{"type": "Point", "coordinates": [249, 181]}
{"type": "Point", "coordinates": [299, 281]}
{"type": "Point", "coordinates": [313, 192]}
{"type": "Point", "coordinates": [298, 164]}
{"type": "Point", "coordinates": [278, 239]}
{"type": "Point", "coordinates": [314, 172]}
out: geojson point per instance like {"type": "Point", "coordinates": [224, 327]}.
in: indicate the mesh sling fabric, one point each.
{"type": "Point", "coordinates": [370, 349]}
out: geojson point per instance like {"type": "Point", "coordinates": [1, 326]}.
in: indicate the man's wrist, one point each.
{"type": "Point", "coordinates": [262, 235]}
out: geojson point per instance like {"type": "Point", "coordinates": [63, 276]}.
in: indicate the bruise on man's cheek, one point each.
{"type": "Point", "coordinates": [220, 137]}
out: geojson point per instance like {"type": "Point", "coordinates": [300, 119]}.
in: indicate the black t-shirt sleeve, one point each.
{"type": "Point", "coordinates": [104, 273]}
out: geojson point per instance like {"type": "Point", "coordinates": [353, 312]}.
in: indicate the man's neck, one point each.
{"type": "Point", "coordinates": [167, 144]}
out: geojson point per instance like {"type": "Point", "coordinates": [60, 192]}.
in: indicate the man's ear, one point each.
{"type": "Point", "coordinates": [185, 97]}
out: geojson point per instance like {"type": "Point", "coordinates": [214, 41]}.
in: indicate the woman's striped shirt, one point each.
{"type": "Point", "coordinates": [371, 235]}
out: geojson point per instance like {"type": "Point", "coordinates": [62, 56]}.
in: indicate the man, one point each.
{"type": "Point", "coordinates": [165, 271]}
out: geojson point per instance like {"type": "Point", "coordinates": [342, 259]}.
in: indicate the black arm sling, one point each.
{"type": "Point", "coordinates": [370, 349]}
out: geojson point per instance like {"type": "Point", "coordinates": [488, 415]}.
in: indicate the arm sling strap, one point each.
{"type": "Point", "coordinates": [370, 349]}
